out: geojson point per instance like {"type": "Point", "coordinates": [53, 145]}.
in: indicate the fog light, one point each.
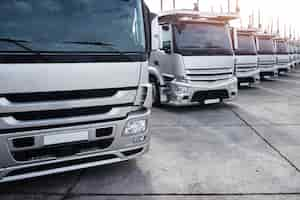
{"type": "Point", "coordinates": [139, 139]}
{"type": "Point", "coordinates": [135, 127]}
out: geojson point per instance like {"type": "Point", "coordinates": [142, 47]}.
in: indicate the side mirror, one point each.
{"type": "Point", "coordinates": [165, 28]}
{"type": "Point", "coordinates": [167, 47]}
{"type": "Point", "coordinates": [237, 52]}
{"type": "Point", "coordinates": [147, 21]}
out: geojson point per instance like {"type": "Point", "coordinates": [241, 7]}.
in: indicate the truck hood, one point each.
{"type": "Point", "coordinates": [28, 78]}
{"type": "Point", "coordinates": [266, 58]}
{"type": "Point", "coordinates": [283, 58]}
{"type": "Point", "coordinates": [246, 60]}
{"type": "Point", "coordinates": [208, 62]}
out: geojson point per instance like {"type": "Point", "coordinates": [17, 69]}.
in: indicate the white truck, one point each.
{"type": "Point", "coordinates": [292, 53]}
{"type": "Point", "coordinates": [266, 55]}
{"type": "Point", "coordinates": [298, 51]}
{"type": "Point", "coordinates": [247, 70]}
{"type": "Point", "coordinates": [74, 89]}
{"type": "Point", "coordinates": [195, 60]}
{"type": "Point", "coordinates": [282, 55]}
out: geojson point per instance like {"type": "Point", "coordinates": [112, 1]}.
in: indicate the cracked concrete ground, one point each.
{"type": "Point", "coordinates": [242, 150]}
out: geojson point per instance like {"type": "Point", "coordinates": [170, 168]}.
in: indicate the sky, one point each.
{"type": "Point", "coordinates": [288, 11]}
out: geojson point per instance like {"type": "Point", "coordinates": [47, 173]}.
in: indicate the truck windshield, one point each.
{"type": "Point", "coordinates": [281, 48]}
{"type": "Point", "coordinates": [292, 49]}
{"type": "Point", "coordinates": [265, 46]}
{"type": "Point", "coordinates": [85, 26]}
{"type": "Point", "coordinates": [246, 45]}
{"type": "Point", "coordinates": [202, 39]}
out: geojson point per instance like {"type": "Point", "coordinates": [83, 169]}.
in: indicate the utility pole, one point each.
{"type": "Point", "coordinates": [259, 20]}
{"type": "Point", "coordinates": [250, 22]}
{"type": "Point", "coordinates": [285, 36]}
{"type": "Point", "coordinates": [252, 19]}
{"type": "Point", "coordinates": [238, 8]}
{"type": "Point", "coordinates": [229, 4]}
{"type": "Point", "coordinates": [161, 5]}
{"type": "Point", "coordinates": [278, 26]}
{"type": "Point", "coordinates": [174, 4]}
{"type": "Point", "coordinates": [196, 6]}
{"type": "Point", "coordinates": [272, 24]}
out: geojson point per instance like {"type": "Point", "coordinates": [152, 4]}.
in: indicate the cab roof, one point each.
{"type": "Point", "coordinates": [176, 16]}
{"type": "Point", "coordinates": [246, 31]}
{"type": "Point", "coordinates": [280, 39]}
{"type": "Point", "coordinates": [265, 35]}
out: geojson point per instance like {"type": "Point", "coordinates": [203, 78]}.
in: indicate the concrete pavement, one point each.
{"type": "Point", "coordinates": [242, 150]}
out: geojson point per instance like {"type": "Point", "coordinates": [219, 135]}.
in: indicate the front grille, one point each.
{"type": "Point", "coordinates": [56, 114]}
{"type": "Point", "coordinates": [46, 110]}
{"type": "Point", "coordinates": [59, 151]}
{"type": "Point", "coordinates": [213, 74]}
{"type": "Point", "coordinates": [59, 95]}
{"type": "Point", "coordinates": [246, 80]}
{"type": "Point", "coordinates": [209, 74]}
{"type": "Point", "coordinates": [265, 64]}
{"type": "Point", "coordinates": [246, 68]}
{"type": "Point", "coordinates": [201, 96]}
{"type": "Point", "coordinates": [283, 62]}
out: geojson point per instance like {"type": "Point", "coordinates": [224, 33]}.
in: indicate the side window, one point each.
{"type": "Point", "coordinates": [166, 42]}
{"type": "Point", "coordinates": [257, 44]}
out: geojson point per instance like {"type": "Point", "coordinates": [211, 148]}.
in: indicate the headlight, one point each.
{"type": "Point", "coordinates": [181, 90]}
{"type": "Point", "coordinates": [134, 127]}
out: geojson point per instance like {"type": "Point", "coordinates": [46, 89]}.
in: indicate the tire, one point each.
{"type": "Point", "coordinates": [155, 92]}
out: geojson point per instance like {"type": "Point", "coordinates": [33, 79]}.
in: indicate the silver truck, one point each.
{"type": "Point", "coordinates": [74, 89]}
{"type": "Point", "coordinates": [194, 62]}
{"type": "Point", "coordinates": [298, 51]}
{"type": "Point", "coordinates": [282, 55]}
{"type": "Point", "coordinates": [266, 55]}
{"type": "Point", "coordinates": [247, 70]}
{"type": "Point", "coordinates": [292, 53]}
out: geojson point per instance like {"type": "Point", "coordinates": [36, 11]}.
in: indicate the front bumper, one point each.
{"type": "Point", "coordinates": [283, 67]}
{"type": "Point", "coordinates": [122, 148]}
{"type": "Point", "coordinates": [210, 90]}
{"type": "Point", "coordinates": [249, 76]}
{"type": "Point", "coordinates": [268, 71]}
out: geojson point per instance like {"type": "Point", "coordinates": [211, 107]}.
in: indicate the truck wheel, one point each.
{"type": "Point", "coordinates": [155, 92]}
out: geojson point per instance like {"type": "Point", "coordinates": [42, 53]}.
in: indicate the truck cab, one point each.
{"type": "Point", "coordinates": [292, 53]}
{"type": "Point", "coordinates": [195, 60]}
{"type": "Point", "coordinates": [74, 92]}
{"type": "Point", "coordinates": [298, 51]}
{"type": "Point", "coordinates": [282, 55]}
{"type": "Point", "coordinates": [266, 55]}
{"type": "Point", "coordinates": [247, 70]}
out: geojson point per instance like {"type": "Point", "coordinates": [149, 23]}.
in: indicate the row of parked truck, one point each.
{"type": "Point", "coordinates": [200, 58]}
{"type": "Point", "coordinates": [74, 88]}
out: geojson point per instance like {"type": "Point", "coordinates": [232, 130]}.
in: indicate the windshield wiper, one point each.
{"type": "Point", "coordinates": [103, 44]}
{"type": "Point", "coordinates": [19, 44]}
{"type": "Point", "coordinates": [88, 43]}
